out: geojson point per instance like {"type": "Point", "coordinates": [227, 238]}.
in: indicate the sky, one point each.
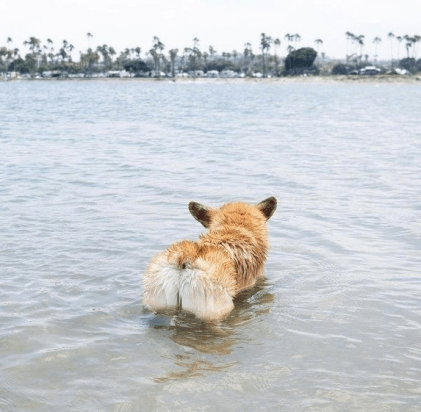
{"type": "Point", "coordinates": [225, 24]}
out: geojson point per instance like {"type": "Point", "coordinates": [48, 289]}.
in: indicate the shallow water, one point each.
{"type": "Point", "coordinates": [95, 178]}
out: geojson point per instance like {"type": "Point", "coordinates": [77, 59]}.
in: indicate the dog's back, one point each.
{"type": "Point", "coordinates": [202, 277]}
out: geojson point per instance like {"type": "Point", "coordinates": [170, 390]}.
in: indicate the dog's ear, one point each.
{"type": "Point", "coordinates": [268, 206]}
{"type": "Point", "coordinates": [200, 213]}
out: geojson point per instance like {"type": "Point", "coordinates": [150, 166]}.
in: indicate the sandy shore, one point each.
{"type": "Point", "coordinates": [281, 80]}
{"type": "Point", "coordinates": [308, 79]}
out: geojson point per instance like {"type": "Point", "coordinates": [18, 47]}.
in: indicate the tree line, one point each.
{"type": "Point", "coordinates": [356, 44]}
{"type": "Point", "coordinates": [39, 56]}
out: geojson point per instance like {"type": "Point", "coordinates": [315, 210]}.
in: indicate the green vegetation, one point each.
{"type": "Point", "coordinates": [48, 59]}
{"type": "Point", "coordinates": [340, 69]}
{"type": "Point", "coordinates": [301, 60]}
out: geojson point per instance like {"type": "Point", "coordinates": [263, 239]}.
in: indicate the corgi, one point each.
{"type": "Point", "coordinates": [203, 277]}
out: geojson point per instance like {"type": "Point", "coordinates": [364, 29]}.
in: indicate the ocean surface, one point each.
{"type": "Point", "coordinates": [95, 178]}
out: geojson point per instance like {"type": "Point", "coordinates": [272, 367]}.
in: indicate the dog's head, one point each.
{"type": "Point", "coordinates": [237, 213]}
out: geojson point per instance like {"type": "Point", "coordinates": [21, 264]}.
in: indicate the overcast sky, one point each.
{"type": "Point", "coordinates": [224, 24]}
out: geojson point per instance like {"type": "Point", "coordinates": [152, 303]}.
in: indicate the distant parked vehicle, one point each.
{"type": "Point", "coordinates": [154, 73]}
{"type": "Point", "coordinates": [370, 70]}
{"type": "Point", "coordinates": [113, 73]}
{"type": "Point", "coordinates": [401, 71]}
{"type": "Point", "coordinates": [227, 74]}
{"type": "Point", "coordinates": [196, 73]}
{"type": "Point", "coordinates": [212, 74]}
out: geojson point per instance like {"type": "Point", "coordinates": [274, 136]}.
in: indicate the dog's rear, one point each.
{"type": "Point", "coordinates": [203, 277]}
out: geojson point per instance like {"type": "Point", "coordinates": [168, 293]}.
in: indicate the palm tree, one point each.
{"type": "Point", "coordinates": [411, 41]}
{"type": "Point", "coordinates": [360, 42]}
{"type": "Point", "coordinates": [289, 38]}
{"type": "Point", "coordinates": [277, 44]}
{"type": "Point", "coordinates": [155, 58]}
{"type": "Point", "coordinates": [196, 42]}
{"type": "Point", "coordinates": [205, 58]}
{"type": "Point", "coordinates": [64, 49]}
{"type": "Point", "coordinates": [408, 43]}
{"type": "Point", "coordinates": [417, 39]}
{"type": "Point", "coordinates": [89, 36]}
{"type": "Point", "coordinates": [318, 42]}
{"type": "Point", "coordinates": [112, 53]}
{"type": "Point", "coordinates": [297, 38]}
{"type": "Point", "coordinates": [158, 46]}
{"type": "Point", "coordinates": [173, 55]}
{"type": "Point", "coordinates": [105, 54]}
{"type": "Point", "coordinates": [399, 39]}
{"type": "Point", "coordinates": [196, 51]}
{"type": "Point", "coordinates": [247, 50]}
{"type": "Point", "coordinates": [194, 54]}
{"type": "Point", "coordinates": [391, 37]}
{"type": "Point", "coordinates": [234, 55]}
{"type": "Point", "coordinates": [89, 59]}
{"type": "Point", "coordinates": [350, 40]}
{"type": "Point", "coordinates": [34, 47]}
{"type": "Point", "coordinates": [212, 51]}
{"type": "Point", "coordinates": [50, 44]}
{"type": "Point", "coordinates": [71, 47]}
{"type": "Point", "coordinates": [265, 42]}
{"type": "Point", "coordinates": [8, 52]}
{"type": "Point", "coordinates": [33, 44]}
{"type": "Point", "coordinates": [247, 53]}
{"type": "Point", "coordinates": [137, 50]}
{"type": "Point", "coordinates": [62, 53]}
{"type": "Point", "coordinates": [125, 56]}
{"type": "Point", "coordinates": [376, 41]}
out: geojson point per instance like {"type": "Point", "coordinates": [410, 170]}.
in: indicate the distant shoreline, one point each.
{"type": "Point", "coordinates": [405, 79]}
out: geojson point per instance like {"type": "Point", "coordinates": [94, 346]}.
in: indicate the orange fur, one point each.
{"type": "Point", "coordinates": [202, 277]}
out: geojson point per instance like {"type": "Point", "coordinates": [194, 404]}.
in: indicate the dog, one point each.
{"type": "Point", "coordinates": [203, 277]}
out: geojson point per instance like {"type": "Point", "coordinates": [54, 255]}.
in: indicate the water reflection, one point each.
{"type": "Point", "coordinates": [195, 368]}
{"type": "Point", "coordinates": [217, 337]}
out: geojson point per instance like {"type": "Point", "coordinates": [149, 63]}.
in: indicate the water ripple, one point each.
{"type": "Point", "coordinates": [96, 178]}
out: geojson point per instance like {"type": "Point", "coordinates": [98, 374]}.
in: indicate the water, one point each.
{"type": "Point", "coordinates": [95, 178]}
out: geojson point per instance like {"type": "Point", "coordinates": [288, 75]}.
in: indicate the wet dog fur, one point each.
{"type": "Point", "coordinates": [202, 277]}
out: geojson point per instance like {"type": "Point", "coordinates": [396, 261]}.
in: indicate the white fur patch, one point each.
{"type": "Point", "coordinates": [167, 286]}
{"type": "Point", "coordinates": [202, 296]}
